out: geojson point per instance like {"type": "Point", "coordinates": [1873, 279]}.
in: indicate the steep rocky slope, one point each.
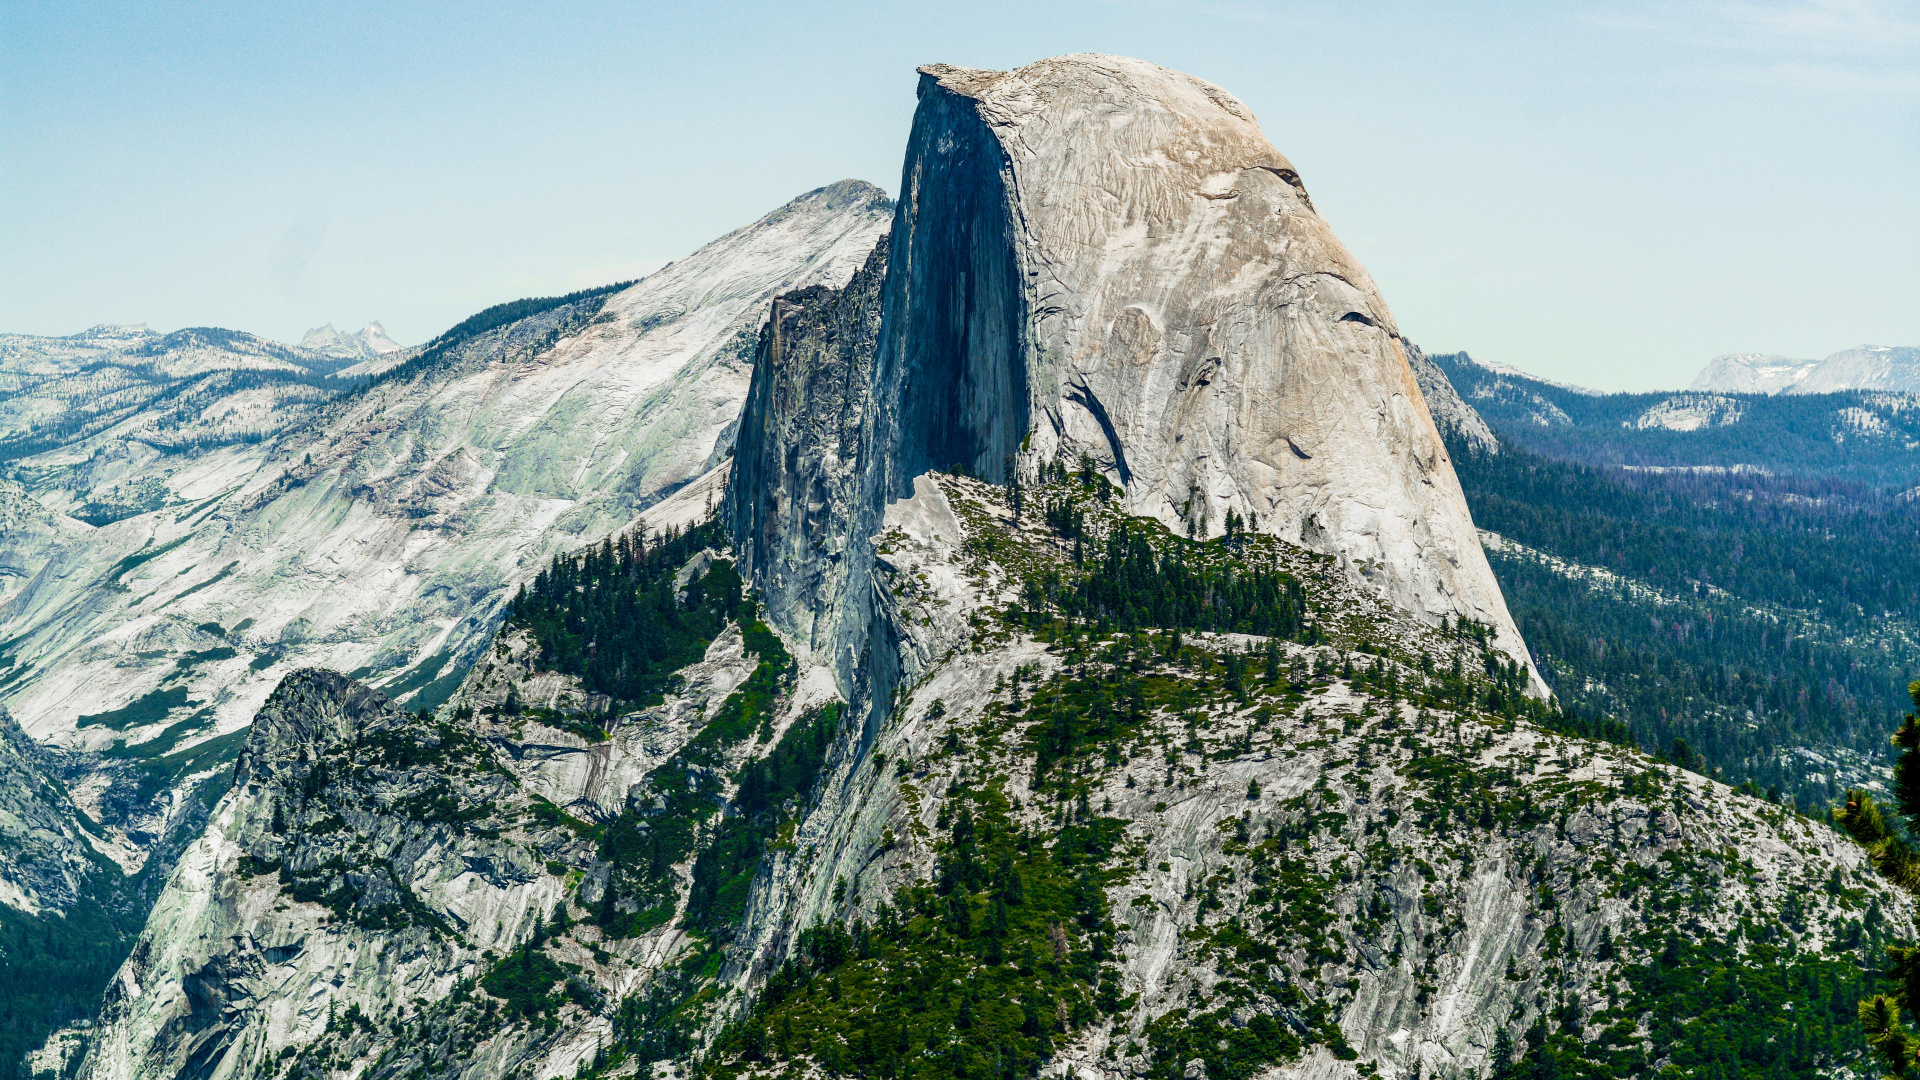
{"type": "Point", "coordinates": [47, 854]}
{"type": "Point", "coordinates": [381, 538]}
{"type": "Point", "coordinates": [847, 762]}
{"type": "Point", "coordinates": [801, 463]}
{"type": "Point", "coordinates": [1343, 847]}
{"type": "Point", "coordinates": [1347, 844]}
{"type": "Point", "coordinates": [1455, 419]}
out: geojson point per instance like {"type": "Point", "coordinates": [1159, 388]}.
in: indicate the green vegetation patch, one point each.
{"type": "Point", "coordinates": [611, 615]}
{"type": "Point", "coordinates": [53, 969]}
{"type": "Point", "coordinates": [659, 827]}
{"type": "Point", "coordinates": [524, 980]}
{"type": "Point", "coordinates": [1741, 1006]}
{"type": "Point", "coordinates": [773, 792]}
{"type": "Point", "coordinates": [980, 973]}
{"type": "Point", "coordinates": [149, 708]}
{"type": "Point", "coordinates": [140, 558]}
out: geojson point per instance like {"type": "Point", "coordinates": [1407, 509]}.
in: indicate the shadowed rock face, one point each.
{"type": "Point", "coordinates": [796, 481]}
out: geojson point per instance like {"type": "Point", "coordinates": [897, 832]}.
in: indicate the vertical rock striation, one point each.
{"type": "Point", "coordinates": [1097, 257]}
{"type": "Point", "coordinates": [796, 481]}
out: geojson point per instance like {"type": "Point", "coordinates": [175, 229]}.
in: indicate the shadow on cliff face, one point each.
{"type": "Point", "coordinates": [952, 350]}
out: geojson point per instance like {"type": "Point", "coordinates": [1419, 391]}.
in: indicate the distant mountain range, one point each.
{"type": "Point", "coordinates": [961, 639]}
{"type": "Point", "coordinates": [1865, 436]}
{"type": "Point", "coordinates": [115, 421]}
{"type": "Point", "coordinates": [1868, 367]}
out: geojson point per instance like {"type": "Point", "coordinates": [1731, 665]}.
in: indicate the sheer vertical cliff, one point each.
{"type": "Point", "coordinates": [1097, 255]}
{"type": "Point", "coordinates": [798, 465]}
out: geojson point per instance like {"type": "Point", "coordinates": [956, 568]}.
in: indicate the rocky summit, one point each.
{"type": "Point", "coordinates": [1030, 628]}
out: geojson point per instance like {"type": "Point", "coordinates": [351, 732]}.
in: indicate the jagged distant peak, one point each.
{"type": "Point", "coordinates": [319, 335]}
{"type": "Point", "coordinates": [367, 343]}
{"type": "Point", "coordinates": [376, 338]}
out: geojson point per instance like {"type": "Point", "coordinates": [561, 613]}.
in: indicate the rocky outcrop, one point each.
{"type": "Point", "coordinates": [1429, 876]}
{"type": "Point", "coordinates": [370, 866]}
{"type": "Point", "coordinates": [49, 852]}
{"type": "Point", "coordinates": [365, 857]}
{"type": "Point", "coordinates": [384, 537]}
{"type": "Point", "coordinates": [794, 497]}
{"type": "Point", "coordinates": [1451, 414]}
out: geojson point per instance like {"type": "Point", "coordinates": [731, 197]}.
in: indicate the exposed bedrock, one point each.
{"type": "Point", "coordinates": [1098, 256]}
{"type": "Point", "coordinates": [793, 497]}
{"type": "Point", "coordinates": [1183, 315]}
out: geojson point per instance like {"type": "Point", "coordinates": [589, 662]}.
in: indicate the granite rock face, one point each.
{"type": "Point", "coordinates": [1422, 920]}
{"type": "Point", "coordinates": [384, 535]}
{"type": "Point", "coordinates": [47, 855]}
{"type": "Point", "coordinates": [1352, 827]}
{"type": "Point", "coordinates": [1098, 256]}
{"type": "Point", "coordinates": [794, 496]}
{"type": "Point", "coordinates": [364, 857]}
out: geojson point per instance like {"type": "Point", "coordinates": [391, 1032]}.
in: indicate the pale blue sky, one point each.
{"type": "Point", "coordinates": [1605, 193]}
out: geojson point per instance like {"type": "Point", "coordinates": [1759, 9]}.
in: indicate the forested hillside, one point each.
{"type": "Point", "coordinates": [1766, 622]}
{"type": "Point", "coordinates": [1866, 437]}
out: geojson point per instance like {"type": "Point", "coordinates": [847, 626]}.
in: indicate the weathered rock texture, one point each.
{"type": "Point", "coordinates": [795, 492]}
{"type": "Point", "coordinates": [1443, 922]}
{"type": "Point", "coordinates": [47, 855]}
{"type": "Point", "coordinates": [1095, 255]}
{"type": "Point", "coordinates": [384, 536]}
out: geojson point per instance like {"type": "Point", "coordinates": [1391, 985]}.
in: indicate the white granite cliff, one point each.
{"type": "Point", "coordinates": [1096, 255]}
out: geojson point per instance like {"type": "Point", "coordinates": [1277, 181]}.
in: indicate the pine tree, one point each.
{"type": "Point", "coordinates": [1502, 1054]}
{"type": "Point", "coordinates": [1881, 1015]}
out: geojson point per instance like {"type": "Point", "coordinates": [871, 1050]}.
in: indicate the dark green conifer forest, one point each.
{"type": "Point", "coordinates": [1745, 616]}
